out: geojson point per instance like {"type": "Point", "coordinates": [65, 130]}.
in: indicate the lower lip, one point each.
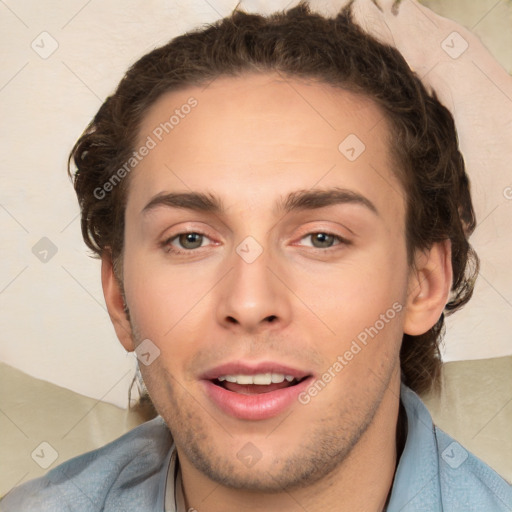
{"type": "Point", "coordinates": [255, 407]}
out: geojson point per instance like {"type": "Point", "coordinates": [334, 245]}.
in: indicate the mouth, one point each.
{"type": "Point", "coordinates": [254, 392]}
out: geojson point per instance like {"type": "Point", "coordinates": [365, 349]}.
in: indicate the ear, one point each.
{"type": "Point", "coordinates": [430, 282]}
{"type": "Point", "coordinates": [115, 302]}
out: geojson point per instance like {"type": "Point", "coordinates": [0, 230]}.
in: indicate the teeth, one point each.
{"type": "Point", "coordinates": [261, 379]}
{"type": "Point", "coordinates": [277, 378]}
{"type": "Point", "coordinates": [244, 379]}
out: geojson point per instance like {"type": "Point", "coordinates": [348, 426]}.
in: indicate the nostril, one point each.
{"type": "Point", "coordinates": [269, 319]}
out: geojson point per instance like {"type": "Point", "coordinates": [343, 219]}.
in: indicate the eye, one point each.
{"type": "Point", "coordinates": [323, 240]}
{"type": "Point", "coordinates": [188, 241]}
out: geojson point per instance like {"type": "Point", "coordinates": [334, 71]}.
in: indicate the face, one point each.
{"type": "Point", "coordinates": [265, 260]}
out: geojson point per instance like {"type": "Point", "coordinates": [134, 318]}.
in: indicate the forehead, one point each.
{"type": "Point", "coordinates": [303, 108]}
{"type": "Point", "coordinates": [239, 134]}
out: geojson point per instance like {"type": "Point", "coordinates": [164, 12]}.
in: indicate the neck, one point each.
{"type": "Point", "coordinates": [361, 483]}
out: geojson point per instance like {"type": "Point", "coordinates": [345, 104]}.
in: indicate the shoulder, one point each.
{"type": "Point", "coordinates": [466, 482]}
{"type": "Point", "coordinates": [435, 472]}
{"type": "Point", "coordinates": [127, 470]}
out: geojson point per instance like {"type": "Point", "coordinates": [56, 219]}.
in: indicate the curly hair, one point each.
{"type": "Point", "coordinates": [303, 44]}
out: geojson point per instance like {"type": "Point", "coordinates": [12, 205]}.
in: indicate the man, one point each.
{"type": "Point", "coordinates": [282, 215]}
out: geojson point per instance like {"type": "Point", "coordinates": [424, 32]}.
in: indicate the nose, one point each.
{"type": "Point", "coordinates": [253, 296]}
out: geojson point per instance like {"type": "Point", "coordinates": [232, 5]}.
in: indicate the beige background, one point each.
{"type": "Point", "coordinates": [53, 323]}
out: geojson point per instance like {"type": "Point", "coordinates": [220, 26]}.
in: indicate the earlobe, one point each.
{"type": "Point", "coordinates": [115, 302]}
{"type": "Point", "coordinates": [430, 282]}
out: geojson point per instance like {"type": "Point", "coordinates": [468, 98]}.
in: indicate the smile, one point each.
{"type": "Point", "coordinates": [253, 394]}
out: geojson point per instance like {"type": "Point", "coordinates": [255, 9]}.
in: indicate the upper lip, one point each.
{"type": "Point", "coordinates": [252, 368]}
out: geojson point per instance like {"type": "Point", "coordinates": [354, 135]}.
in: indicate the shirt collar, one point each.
{"type": "Point", "coordinates": [417, 475]}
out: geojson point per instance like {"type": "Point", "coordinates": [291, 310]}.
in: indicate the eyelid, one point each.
{"type": "Point", "coordinates": [313, 228]}
{"type": "Point", "coordinates": [180, 228]}
{"type": "Point", "coordinates": [341, 240]}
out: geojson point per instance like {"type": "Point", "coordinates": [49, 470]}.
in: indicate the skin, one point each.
{"type": "Point", "coordinates": [252, 140]}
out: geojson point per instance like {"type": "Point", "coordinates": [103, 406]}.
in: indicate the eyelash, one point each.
{"type": "Point", "coordinates": [167, 244]}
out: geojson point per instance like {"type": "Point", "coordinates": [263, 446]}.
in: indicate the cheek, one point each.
{"type": "Point", "coordinates": [167, 302]}
{"type": "Point", "coordinates": [361, 309]}
{"type": "Point", "coordinates": [351, 296]}
{"type": "Point", "coordinates": [172, 309]}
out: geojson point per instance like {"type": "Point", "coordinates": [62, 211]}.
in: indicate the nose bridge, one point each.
{"type": "Point", "coordinates": [251, 295]}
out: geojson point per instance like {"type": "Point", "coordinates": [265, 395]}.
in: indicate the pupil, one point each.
{"type": "Point", "coordinates": [324, 239]}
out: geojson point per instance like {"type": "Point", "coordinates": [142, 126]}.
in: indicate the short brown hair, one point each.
{"type": "Point", "coordinates": [336, 51]}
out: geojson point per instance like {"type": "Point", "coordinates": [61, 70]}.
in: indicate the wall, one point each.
{"type": "Point", "coordinates": [60, 61]}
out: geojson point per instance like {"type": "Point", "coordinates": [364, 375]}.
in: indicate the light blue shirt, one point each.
{"type": "Point", "coordinates": [435, 473]}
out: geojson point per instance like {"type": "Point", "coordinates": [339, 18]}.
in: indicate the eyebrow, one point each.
{"type": "Point", "coordinates": [298, 200]}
